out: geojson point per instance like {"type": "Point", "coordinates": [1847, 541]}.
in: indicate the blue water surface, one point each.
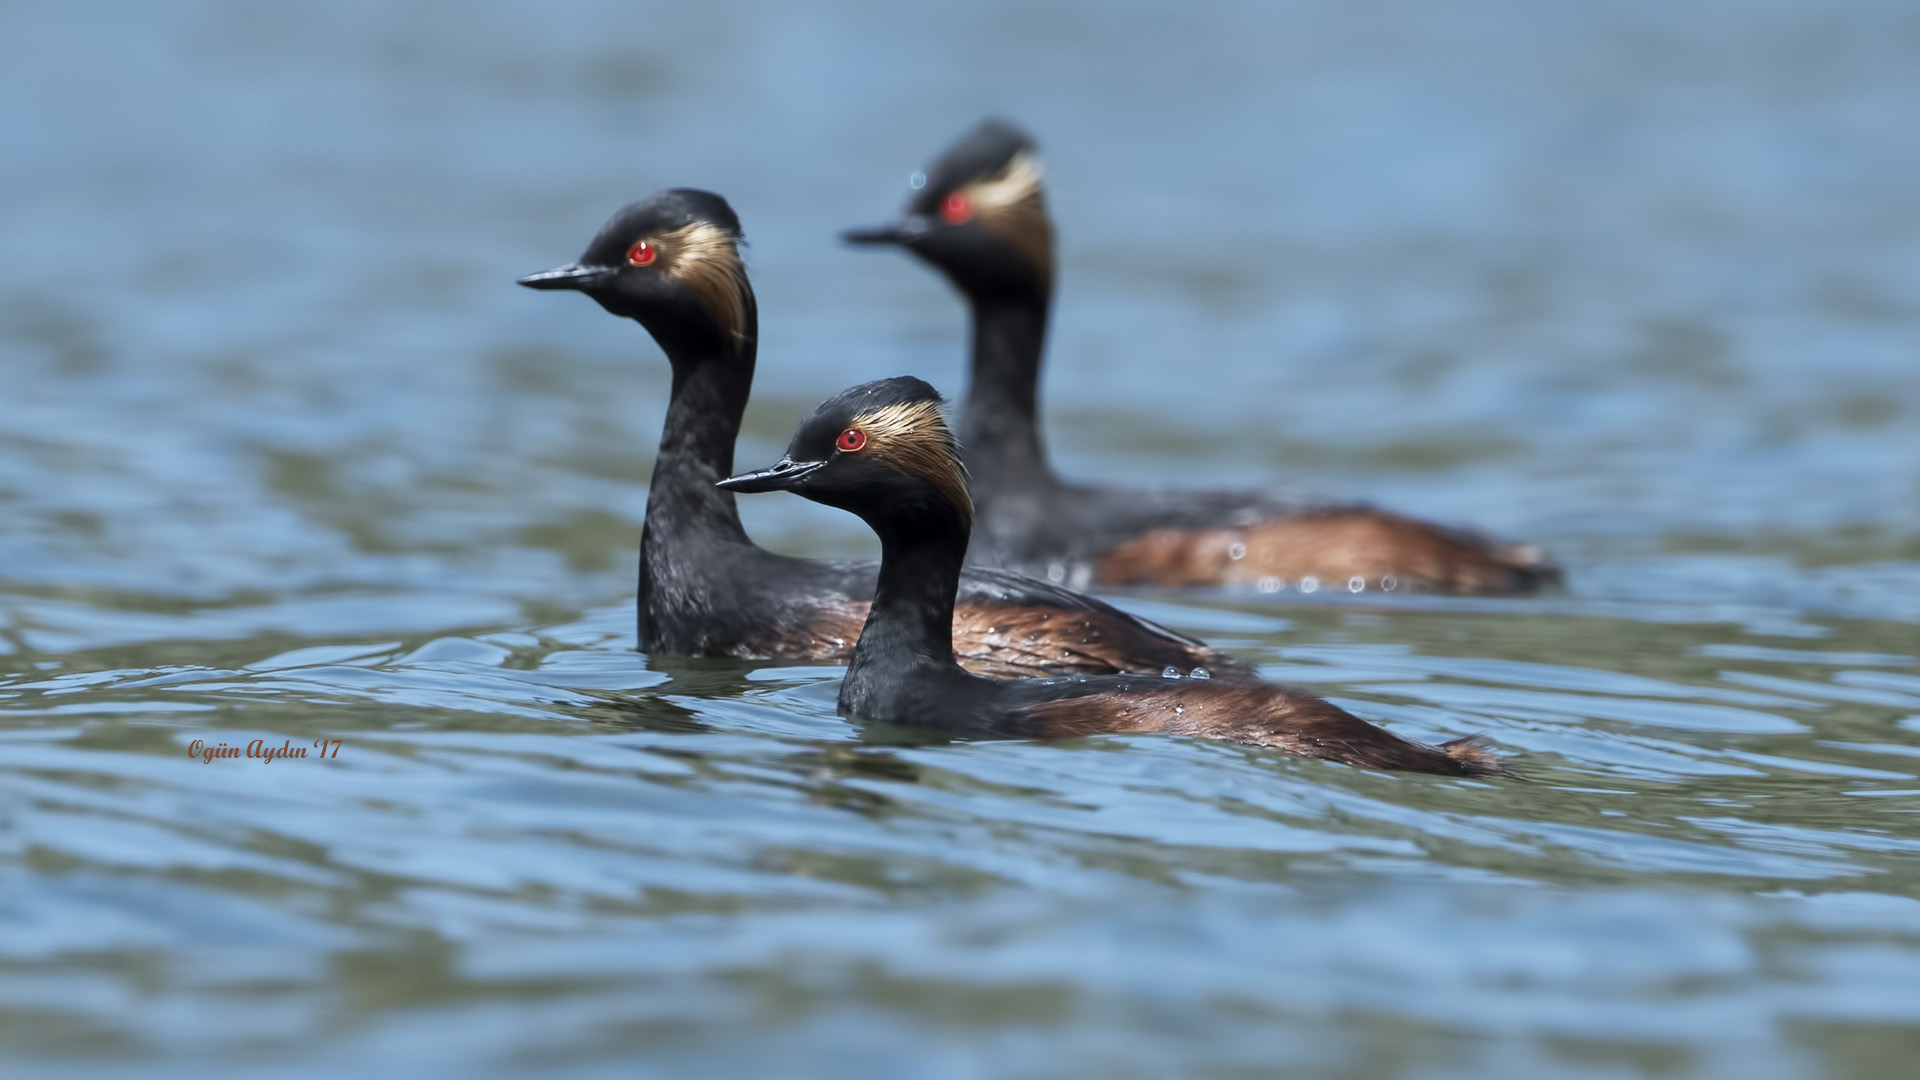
{"type": "Point", "coordinates": [287, 461]}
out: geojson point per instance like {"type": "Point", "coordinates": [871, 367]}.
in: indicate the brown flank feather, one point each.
{"type": "Point", "coordinates": [1333, 546]}
{"type": "Point", "coordinates": [995, 639]}
{"type": "Point", "coordinates": [1260, 715]}
{"type": "Point", "coordinates": [1007, 640]}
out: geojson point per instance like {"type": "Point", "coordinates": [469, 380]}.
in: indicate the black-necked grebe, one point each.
{"type": "Point", "coordinates": [671, 261]}
{"type": "Point", "coordinates": [882, 451]}
{"type": "Point", "coordinates": [981, 219]}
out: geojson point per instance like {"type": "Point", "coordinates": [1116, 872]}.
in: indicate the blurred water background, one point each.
{"type": "Point", "coordinates": [284, 455]}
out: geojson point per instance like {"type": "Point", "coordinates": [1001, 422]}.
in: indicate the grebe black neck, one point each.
{"type": "Point", "coordinates": [882, 451]}
{"type": "Point", "coordinates": [1000, 424]}
{"type": "Point", "coordinates": [980, 218]}
{"type": "Point", "coordinates": [671, 262]}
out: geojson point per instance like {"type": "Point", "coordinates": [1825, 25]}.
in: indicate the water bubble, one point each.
{"type": "Point", "coordinates": [918, 180]}
{"type": "Point", "coordinates": [1389, 583]}
{"type": "Point", "coordinates": [1199, 673]}
{"type": "Point", "coordinates": [1237, 552]}
{"type": "Point", "coordinates": [1356, 584]}
{"type": "Point", "coordinates": [1171, 672]}
{"type": "Point", "coordinates": [1057, 573]}
{"type": "Point", "coordinates": [1309, 583]}
{"type": "Point", "coordinates": [1271, 584]}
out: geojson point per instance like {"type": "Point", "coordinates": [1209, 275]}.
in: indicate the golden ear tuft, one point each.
{"type": "Point", "coordinates": [1013, 203]}
{"type": "Point", "coordinates": [913, 436]}
{"type": "Point", "coordinates": [706, 259]}
{"type": "Point", "coordinates": [1017, 182]}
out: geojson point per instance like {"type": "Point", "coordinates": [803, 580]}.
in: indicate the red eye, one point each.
{"type": "Point", "coordinates": [851, 439]}
{"type": "Point", "coordinates": [641, 254]}
{"type": "Point", "coordinates": [957, 209]}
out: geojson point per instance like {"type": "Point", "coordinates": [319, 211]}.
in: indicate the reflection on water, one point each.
{"type": "Point", "coordinates": [284, 456]}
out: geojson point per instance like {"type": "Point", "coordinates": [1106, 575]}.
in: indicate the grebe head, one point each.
{"type": "Point", "coordinates": [880, 450]}
{"type": "Point", "coordinates": [980, 214]}
{"type": "Point", "coordinates": [670, 261]}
